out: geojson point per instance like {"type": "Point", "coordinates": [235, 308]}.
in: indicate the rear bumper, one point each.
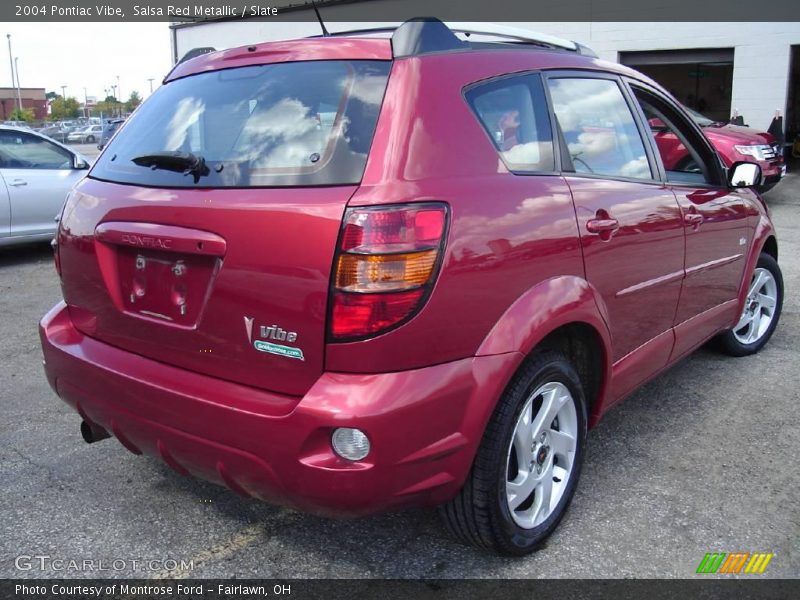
{"type": "Point", "coordinates": [424, 425]}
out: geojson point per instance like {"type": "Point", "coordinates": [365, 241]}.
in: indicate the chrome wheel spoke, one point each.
{"type": "Point", "coordinates": [757, 283]}
{"type": "Point", "coordinates": [767, 302]}
{"type": "Point", "coordinates": [523, 436]}
{"type": "Point", "coordinates": [563, 447]}
{"type": "Point", "coordinates": [552, 401]}
{"type": "Point", "coordinates": [747, 319]}
{"type": "Point", "coordinates": [543, 501]}
{"type": "Point", "coordinates": [520, 489]}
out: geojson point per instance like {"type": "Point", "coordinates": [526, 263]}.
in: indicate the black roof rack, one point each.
{"type": "Point", "coordinates": [428, 34]}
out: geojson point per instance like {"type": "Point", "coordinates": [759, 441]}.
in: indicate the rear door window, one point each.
{"type": "Point", "coordinates": [513, 111]}
{"type": "Point", "coordinates": [599, 130]}
{"type": "Point", "coordinates": [301, 123]}
{"type": "Point", "coordinates": [24, 151]}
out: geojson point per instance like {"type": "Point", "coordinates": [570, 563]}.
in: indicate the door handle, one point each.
{"type": "Point", "coordinates": [602, 225]}
{"type": "Point", "coordinates": [693, 219]}
{"type": "Point", "coordinates": [18, 182]}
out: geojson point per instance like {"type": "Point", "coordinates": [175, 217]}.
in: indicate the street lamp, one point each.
{"type": "Point", "coordinates": [150, 79]}
{"type": "Point", "coordinates": [11, 62]}
{"type": "Point", "coordinates": [119, 89]}
{"type": "Point", "coordinates": [19, 94]}
{"type": "Point", "coordinates": [85, 104]}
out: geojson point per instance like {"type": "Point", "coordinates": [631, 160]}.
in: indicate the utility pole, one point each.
{"type": "Point", "coordinates": [19, 94]}
{"type": "Point", "coordinates": [11, 62]}
{"type": "Point", "coordinates": [150, 79]}
{"type": "Point", "coordinates": [119, 89]}
{"type": "Point", "coordinates": [85, 104]}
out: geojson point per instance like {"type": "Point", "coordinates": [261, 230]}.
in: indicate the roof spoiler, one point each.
{"type": "Point", "coordinates": [423, 35]}
{"type": "Point", "coordinates": [193, 53]}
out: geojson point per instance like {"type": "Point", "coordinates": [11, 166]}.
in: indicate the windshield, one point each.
{"type": "Point", "coordinates": [698, 118]}
{"type": "Point", "coordinates": [289, 124]}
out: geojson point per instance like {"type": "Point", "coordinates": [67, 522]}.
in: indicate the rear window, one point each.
{"type": "Point", "coordinates": [513, 111]}
{"type": "Point", "coordinates": [290, 124]}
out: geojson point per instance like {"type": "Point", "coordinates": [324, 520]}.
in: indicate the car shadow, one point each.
{"type": "Point", "coordinates": [414, 543]}
{"type": "Point", "coordinates": [25, 254]}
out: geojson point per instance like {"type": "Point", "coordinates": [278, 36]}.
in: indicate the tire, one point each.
{"type": "Point", "coordinates": [481, 514]}
{"type": "Point", "coordinates": [89, 139]}
{"type": "Point", "coordinates": [764, 304]}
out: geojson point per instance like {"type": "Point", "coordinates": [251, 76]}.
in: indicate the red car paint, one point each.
{"type": "Point", "coordinates": [519, 264]}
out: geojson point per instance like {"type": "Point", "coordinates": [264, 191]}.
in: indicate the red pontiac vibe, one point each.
{"type": "Point", "coordinates": [355, 274]}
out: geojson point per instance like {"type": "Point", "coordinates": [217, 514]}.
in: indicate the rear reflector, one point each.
{"type": "Point", "coordinates": [385, 266]}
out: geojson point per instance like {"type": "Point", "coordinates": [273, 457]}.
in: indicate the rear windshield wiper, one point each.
{"type": "Point", "coordinates": [181, 162]}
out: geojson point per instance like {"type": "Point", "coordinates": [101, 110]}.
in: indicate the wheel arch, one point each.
{"type": "Point", "coordinates": [564, 313]}
{"type": "Point", "coordinates": [764, 240]}
{"type": "Point", "coordinates": [771, 246]}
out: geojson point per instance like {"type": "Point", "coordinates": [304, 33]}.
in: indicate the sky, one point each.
{"type": "Point", "coordinates": [89, 55]}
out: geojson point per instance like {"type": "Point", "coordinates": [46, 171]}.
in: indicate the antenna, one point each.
{"type": "Point", "coordinates": [319, 18]}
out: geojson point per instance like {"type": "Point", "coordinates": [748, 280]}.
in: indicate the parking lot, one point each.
{"type": "Point", "coordinates": [702, 459]}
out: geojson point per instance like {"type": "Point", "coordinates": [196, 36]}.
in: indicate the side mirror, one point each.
{"type": "Point", "coordinates": [657, 124]}
{"type": "Point", "coordinates": [79, 163]}
{"type": "Point", "coordinates": [744, 174]}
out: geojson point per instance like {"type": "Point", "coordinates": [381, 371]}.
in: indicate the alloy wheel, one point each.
{"type": "Point", "coordinates": [541, 454]}
{"type": "Point", "coordinates": [759, 308]}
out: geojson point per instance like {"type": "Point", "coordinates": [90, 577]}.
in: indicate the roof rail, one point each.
{"type": "Point", "coordinates": [422, 35]}
{"type": "Point", "coordinates": [511, 33]}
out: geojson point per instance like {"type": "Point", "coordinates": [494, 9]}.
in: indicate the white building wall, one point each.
{"type": "Point", "coordinates": [761, 50]}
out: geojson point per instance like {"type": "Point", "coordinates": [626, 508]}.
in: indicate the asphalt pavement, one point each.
{"type": "Point", "coordinates": [702, 459]}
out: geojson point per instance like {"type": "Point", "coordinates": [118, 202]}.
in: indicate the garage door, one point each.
{"type": "Point", "coordinates": [700, 78]}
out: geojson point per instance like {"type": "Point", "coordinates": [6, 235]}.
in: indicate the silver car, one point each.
{"type": "Point", "coordinates": [87, 135]}
{"type": "Point", "coordinates": [35, 175]}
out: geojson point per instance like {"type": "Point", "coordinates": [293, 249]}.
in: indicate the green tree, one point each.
{"type": "Point", "coordinates": [106, 108]}
{"type": "Point", "coordinates": [51, 96]}
{"type": "Point", "coordinates": [133, 101]}
{"type": "Point", "coordinates": [64, 109]}
{"type": "Point", "coordinates": [26, 114]}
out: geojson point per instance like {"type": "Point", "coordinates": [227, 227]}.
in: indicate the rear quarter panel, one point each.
{"type": "Point", "coordinates": [507, 232]}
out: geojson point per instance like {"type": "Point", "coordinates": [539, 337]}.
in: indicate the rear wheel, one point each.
{"type": "Point", "coordinates": [528, 463]}
{"type": "Point", "coordinates": [762, 309]}
{"type": "Point", "coordinates": [90, 139]}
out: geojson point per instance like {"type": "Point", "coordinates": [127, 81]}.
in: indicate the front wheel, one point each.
{"type": "Point", "coordinates": [527, 467]}
{"type": "Point", "coordinates": [762, 309]}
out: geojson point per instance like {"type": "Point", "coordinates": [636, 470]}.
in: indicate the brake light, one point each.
{"type": "Point", "coordinates": [385, 266]}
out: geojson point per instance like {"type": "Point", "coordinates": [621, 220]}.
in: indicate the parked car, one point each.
{"type": "Point", "coordinates": [734, 143]}
{"type": "Point", "coordinates": [37, 174]}
{"type": "Point", "coordinates": [109, 129]}
{"type": "Point", "coordinates": [86, 135]}
{"type": "Point", "coordinates": [18, 124]}
{"type": "Point", "coordinates": [56, 132]}
{"type": "Point", "coordinates": [357, 274]}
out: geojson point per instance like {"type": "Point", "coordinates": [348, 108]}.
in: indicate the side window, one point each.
{"type": "Point", "coordinates": [685, 158]}
{"type": "Point", "coordinates": [23, 151]}
{"type": "Point", "coordinates": [513, 111]}
{"type": "Point", "coordinates": [599, 130]}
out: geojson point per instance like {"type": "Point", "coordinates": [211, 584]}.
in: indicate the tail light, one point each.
{"type": "Point", "coordinates": [385, 266]}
